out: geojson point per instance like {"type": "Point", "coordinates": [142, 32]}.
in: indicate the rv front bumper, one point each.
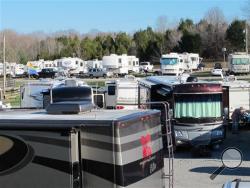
{"type": "Point", "coordinates": [207, 137]}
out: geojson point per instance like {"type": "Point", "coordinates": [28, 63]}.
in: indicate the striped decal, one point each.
{"type": "Point", "coordinates": [128, 174]}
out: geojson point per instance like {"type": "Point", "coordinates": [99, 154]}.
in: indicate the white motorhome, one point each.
{"type": "Point", "coordinates": [58, 147]}
{"type": "Point", "coordinates": [239, 63]}
{"type": "Point", "coordinates": [121, 64]}
{"type": "Point", "coordinates": [74, 66]}
{"type": "Point", "coordinates": [175, 63]}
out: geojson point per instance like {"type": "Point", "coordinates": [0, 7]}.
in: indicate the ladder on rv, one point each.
{"type": "Point", "coordinates": [169, 171]}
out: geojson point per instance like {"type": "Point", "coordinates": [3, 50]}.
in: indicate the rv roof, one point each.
{"type": "Point", "coordinates": [11, 118]}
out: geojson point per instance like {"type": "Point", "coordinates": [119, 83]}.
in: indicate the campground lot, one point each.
{"type": "Point", "coordinates": [190, 172]}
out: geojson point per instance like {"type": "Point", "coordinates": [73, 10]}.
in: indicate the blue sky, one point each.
{"type": "Point", "coordinates": [27, 16]}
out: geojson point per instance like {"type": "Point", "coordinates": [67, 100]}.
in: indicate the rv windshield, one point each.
{"type": "Point", "coordinates": [240, 61]}
{"type": "Point", "coordinates": [169, 61]}
{"type": "Point", "coordinates": [198, 106]}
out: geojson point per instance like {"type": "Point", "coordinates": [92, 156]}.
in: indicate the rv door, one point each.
{"type": "Point", "coordinates": [76, 159]}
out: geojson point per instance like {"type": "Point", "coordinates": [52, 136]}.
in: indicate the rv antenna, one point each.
{"type": "Point", "coordinates": [4, 67]}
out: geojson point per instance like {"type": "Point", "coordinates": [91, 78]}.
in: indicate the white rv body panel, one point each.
{"type": "Point", "coordinates": [239, 95]}
{"type": "Point", "coordinates": [122, 94]}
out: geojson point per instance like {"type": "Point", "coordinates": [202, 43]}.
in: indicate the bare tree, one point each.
{"type": "Point", "coordinates": [161, 24]}
{"type": "Point", "coordinates": [212, 30]}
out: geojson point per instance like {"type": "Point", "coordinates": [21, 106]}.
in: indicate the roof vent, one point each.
{"type": "Point", "coordinates": [70, 100]}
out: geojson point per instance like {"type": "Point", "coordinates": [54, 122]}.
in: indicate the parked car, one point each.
{"type": "Point", "coordinates": [146, 66]}
{"type": "Point", "coordinates": [98, 72]}
{"type": "Point", "coordinates": [217, 70]}
{"type": "Point", "coordinates": [47, 73]}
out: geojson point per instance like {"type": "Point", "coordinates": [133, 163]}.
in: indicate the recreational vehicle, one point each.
{"type": "Point", "coordinates": [236, 94]}
{"type": "Point", "coordinates": [122, 94]}
{"type": "Point", "coordinates": [239, 63]}
{"type": "Point", "coordinates": [121, 64]}
{"type": "Point", "coordinates": [197, 107]}
{"type": "Point", "coordinates": [174, 63]}
{"type": "Point", "coordinates": [72, 145]}
{"type": "Point", "coordinates": [73, 65]}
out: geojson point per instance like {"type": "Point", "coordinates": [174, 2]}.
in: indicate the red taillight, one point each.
{"type": "Point", "coordinates": [119, 107]}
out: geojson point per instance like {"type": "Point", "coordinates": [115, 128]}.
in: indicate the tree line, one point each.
{"type": "Point", "coordinates": [206, 37]}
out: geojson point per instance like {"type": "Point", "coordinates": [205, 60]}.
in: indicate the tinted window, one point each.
{"type": "Point", "coordinates": [111, 90]}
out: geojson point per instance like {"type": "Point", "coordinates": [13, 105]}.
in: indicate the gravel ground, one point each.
{"type": "Point", "coordinates": [192, 172]}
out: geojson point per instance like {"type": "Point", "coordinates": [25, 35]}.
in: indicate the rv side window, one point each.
{"type": "Point", "coordinates": [120, 60]}
{"type": "Point", "coordinates": [81, 64]}
{"type": "Point", "coordinates": [111, 90]}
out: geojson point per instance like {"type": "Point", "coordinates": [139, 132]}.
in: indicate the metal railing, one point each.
{"type": "Point", "coordinates": [168, 134]}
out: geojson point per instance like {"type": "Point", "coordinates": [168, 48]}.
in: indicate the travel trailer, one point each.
{"type": "Point", "coordinates": [239, 63]}
{"type": "Point", "coordinates": [10, 69]}
{"type": "Point", "coordinates": [174, 63]}
{"type": "Point", "coordinates": [74, 66]}
{"type": "Point", "coordinates": [197, 107]}
{"type": "Point", "coordinates": [121, 64]}
{"type": "Point", "coordinates": [122, 94]}
{"type": "Point", "coordinates": [72, 145]}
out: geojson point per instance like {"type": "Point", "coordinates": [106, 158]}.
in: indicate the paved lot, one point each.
{"type": "Point", "coordinates": [192, 172]}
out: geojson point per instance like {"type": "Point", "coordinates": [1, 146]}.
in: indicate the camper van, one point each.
{"type": "Point", "coordinates": [197, 107]}
{"type": "Point", "coordinates": [239, 63]}
{"type": "Point", "coordinates": [73, 145]}
{"type": "Point", "coordinates": [176, 64]}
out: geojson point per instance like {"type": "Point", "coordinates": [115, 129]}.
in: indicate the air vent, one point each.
{"type": "Point", "coordinates": [70, 100]}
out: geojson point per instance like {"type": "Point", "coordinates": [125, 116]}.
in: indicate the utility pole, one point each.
{"type": "Point", "coordinates": [4, 67]}
{"type": "Point", "coordinates": [246, 40]}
